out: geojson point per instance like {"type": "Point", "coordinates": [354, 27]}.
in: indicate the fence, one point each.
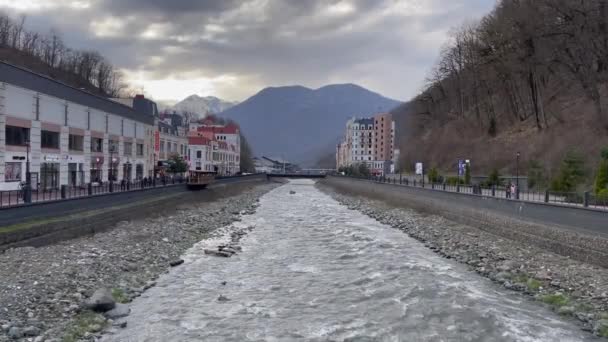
{"type": "Point", "coordinates": [585, 199]}
{"type": "Point", "coordinates": [18, 197]}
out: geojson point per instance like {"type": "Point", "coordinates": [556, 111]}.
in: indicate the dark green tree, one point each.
{"type": "Point", "coordinates": [177, 164]}
{"type": "Point", "coordinates": [571, 173]}
{"type": "Point", "coordinates": [467, 174]}
{"type": "Point", "coordinates": [601, 179]}
{"type": "Point", "coordinates": [537, 178]}
{"type": "Point", "coordinates": [363, 170]}
{"type": "Point", "coordinates": [434, 176]}
{"type": "Point", "coordinates": [494, 178]}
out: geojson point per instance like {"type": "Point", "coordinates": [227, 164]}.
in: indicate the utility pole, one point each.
{"type": "Point", "coordinates": [27, 194]}
{"type": "Point", "coordinates": [517, 176]}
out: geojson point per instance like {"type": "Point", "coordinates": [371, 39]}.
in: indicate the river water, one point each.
{"type": "Point", "coordinates": [313, 270]}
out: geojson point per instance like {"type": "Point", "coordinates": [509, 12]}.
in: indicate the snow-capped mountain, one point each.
{"type": "Point", "coordinates": [202, 105]}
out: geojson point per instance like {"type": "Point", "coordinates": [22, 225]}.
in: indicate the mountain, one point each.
{"type": "Point", "coordinates": [202, 105]}
{"type": "Point", "coordinates": [302, 124]}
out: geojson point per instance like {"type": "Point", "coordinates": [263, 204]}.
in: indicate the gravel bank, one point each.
{"type": "Point", "coordinates": [43, 290]}
{"type": "Point", "coordinates": [570, 287]}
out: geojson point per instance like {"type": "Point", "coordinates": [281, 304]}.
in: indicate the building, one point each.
{"type": "Point", "coordinates": [215, 148]}
{"type": "Point", "coordinates": [263, 165]}
{"type": "Point", "coordinates": [68, 136]}
{"type": "Point", "coordinates": [369, 141]}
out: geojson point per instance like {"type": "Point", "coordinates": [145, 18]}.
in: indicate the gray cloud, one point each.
{"type": "Point", "coordinates": [386, 45]}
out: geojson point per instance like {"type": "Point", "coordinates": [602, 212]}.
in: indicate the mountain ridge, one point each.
{"type": "Point", "coordinates": [299, 123]}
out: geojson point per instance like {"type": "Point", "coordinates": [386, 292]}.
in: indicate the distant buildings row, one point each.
{"type": "Point", "coordinates": [369, 141]}
{"type": "Point", "coordinates": [273, 165]}
{"type": "Point", "coordinates": [68, 136]}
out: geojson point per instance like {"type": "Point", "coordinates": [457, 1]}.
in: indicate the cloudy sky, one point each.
{"type": "Point", "coordinates": [234, 48]}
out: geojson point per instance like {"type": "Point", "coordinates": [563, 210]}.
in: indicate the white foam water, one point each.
{"type": "Point", "coordinates": [313, 270]}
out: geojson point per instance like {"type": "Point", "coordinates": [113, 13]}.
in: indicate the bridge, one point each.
{"type": "Point", "coordinates": [304, 173]}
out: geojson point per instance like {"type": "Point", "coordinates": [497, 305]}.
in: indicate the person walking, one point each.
{"type": "Point", "coordinates": [508, 190]}
{"type": "Point", "coordinates": [514, 191]}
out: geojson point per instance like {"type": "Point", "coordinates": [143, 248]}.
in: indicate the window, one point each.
{"type": "Point", "coordinates": [113, 146]}
{"type": "Point", "coordinates": [162, 146]}
{"type": "Point", "coordinates": [199, 154]}
{"type": "Point", "coordinates": [12, 172]}
{"type": "Point", "coordinates": [96, 145]}
{"type": "Point", "coordinates": [17, 136]}
{"type": "Point", "coordinates": [76, 142]}
{"type": "Point", "coordinates": [140, 150]}
{"type": "Point", "coordinates": [128, 148]}
{"type": "Point", "coordinates": [49, 139]}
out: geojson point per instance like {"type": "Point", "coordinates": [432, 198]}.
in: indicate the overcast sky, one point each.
{"type": "Point", "coordinates": [234, 48]}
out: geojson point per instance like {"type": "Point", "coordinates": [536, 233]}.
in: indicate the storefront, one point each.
{"type": "Point", "coordinates": [75, 174]}
{"type": "Point", "coordinates": [96, 169]}
{"type": "Point", "coordinates": [49, 176]}
{"type": "Point", "coordinates": [139, 171]}
{"type": "Point", "coordinates": [127, 171]}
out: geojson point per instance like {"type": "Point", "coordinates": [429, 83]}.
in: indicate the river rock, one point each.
{"type": "Point", "coordinates": [101, 301]}
{"type": "Point", "coordinates": [15, 333]}
{"type": "Point", "coordinates": [176, 262]}
{"type": "Point", "coordinates": [223, 298]}
{"type": "Point", "coordinates": [119, 311]}
{"type": "Point", "coordinates": [292, 192]}
{"type": "Point", "coordinates": [217, 253]}
{"type": "Point", "coordinates": [31, 331]}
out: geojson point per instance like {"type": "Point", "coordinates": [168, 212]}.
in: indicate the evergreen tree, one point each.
{"type": "Point", "coordinates": [601, 179]}
{"type": "Point", "coordinates": [177, 164]}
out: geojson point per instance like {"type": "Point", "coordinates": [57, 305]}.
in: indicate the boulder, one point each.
{"type": "Point", "coordinates": [176, 262]}
{"type": "Point", "coordinates": [101, 301]}
{"type": "Point", "coordinates": [217, 253]}
{"type": "Point", "coordinates": [15, 333]}
{"type": "Point", "coordinates": [119, 311]}
{"type": "Point", "coordinates": [31, 331]}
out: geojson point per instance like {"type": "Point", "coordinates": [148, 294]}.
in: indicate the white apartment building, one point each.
{"type": "Point", "coordinates": [215, 148]}
{"type": "Point", "coordinates": [69, 136]}
{"type": "Point", "coordinates": [367, 141]}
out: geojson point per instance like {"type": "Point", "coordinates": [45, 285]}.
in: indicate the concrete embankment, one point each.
{"type": "Point", "coordinates": [573, 232]}
{"type": "Point", "coordinates": [536, 259]}
{"type": "Point", "coordinates": [45, 223]}
{"type": "Point", "coordinates": [44, 291]}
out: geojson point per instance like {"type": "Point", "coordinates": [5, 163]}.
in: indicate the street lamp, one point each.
{"type": "Point", "coordinates": [517, 176]}
{"type": "Point", "coordinates": [27, 194]}
{"type": "Point", "coordinates": [111, 176]}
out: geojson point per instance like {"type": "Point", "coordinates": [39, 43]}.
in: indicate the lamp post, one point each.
{"type": "Point", "coordinates": [517, 176]}
{"type": "Point", "coordinates": [111, 175]}
{"type": "Point", "coordinates": [27, 194]}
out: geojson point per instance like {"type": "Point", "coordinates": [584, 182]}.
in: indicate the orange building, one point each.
{"type": "Point", "coordinates": [383, 137]}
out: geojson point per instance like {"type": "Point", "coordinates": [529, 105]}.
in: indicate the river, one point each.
{"type": "Point", "coordinates": [313, 270]}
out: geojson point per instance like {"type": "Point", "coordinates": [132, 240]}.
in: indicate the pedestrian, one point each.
{"type": "Point", "coordinates": [514, 190]}
{"type": "Point", "coordinates": [508, 190]}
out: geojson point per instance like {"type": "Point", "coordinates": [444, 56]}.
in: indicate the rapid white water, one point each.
{"type": "Point", "coordinates": [313, 270]}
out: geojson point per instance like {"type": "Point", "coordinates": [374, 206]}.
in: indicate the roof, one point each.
{"type": "Point", "coordinates": [365, 121]}
{"type": "Point", "coordinates": [198, 141]}
{"type": "Point", "coordinates": [43, 84]}
{"type": "Point", "coordinates": [228, 129]}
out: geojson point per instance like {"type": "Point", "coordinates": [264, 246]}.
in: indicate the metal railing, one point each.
{"type": "Point", "coordinates": [13, 198]}
{"type": "Point", "coordinates": [582, 199]}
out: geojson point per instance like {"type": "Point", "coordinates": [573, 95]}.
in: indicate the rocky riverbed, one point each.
{"type": "Point", "coordinates": [46, 293]}
{"type": "Point", "coordinates": [569, 287]}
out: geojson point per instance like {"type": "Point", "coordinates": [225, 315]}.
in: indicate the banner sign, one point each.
{"type": "Point", "coordinates": [462, 165]}
{"type": "Point", "coordinates": [419, 169]}
{"type": "Point", "coordinates": [156, 141]}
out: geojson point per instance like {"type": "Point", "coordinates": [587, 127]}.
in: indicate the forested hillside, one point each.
{"type": "Point", "coordinates": [529, 77]}
{"type": "Point", "coordinates": [47, 54]}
